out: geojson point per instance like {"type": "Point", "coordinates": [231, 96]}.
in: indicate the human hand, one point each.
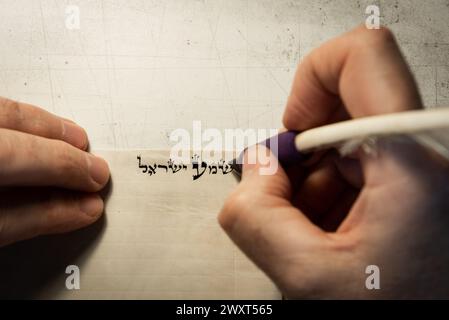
{"type": "Point", "coordinates": [48, 182]}
{"type": "Point", "coordinates": [315, 228]}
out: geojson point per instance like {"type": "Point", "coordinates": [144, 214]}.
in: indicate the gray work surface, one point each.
{"type": "Point", "coordinates": [136, 70]}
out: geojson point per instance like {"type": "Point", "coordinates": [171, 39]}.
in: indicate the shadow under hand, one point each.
{"type": "Point", "coordinates": [35, 268]}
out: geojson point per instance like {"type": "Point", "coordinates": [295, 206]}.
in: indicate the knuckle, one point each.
{"type": "Point", "coordinates": [28, 118]}
{"type": "Point", "coordinates": [12, 113]}
{"type": "Point", "coordinates": [298, 111]}
{"type": "Point", "coordinates": [234, 206]}
{"type": "Point", "coordinates": [7, 151]}
{"type": "Point", "coordinates": [64, 155]}
{"type": "Point", "coordinates": [68, 163]}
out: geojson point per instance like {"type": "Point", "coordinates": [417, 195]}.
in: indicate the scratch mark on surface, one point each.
{"type": "Point", "coordinates": [47, 56]}
{"type": "Point", "coordinates": [108, 57]}
{"type": "Point", "coordinates": [228, 88]}
{"type": "Point", "coordinates": [158, 42]}
{"type": "Point", "coordinates": [264, 66]}
{"type": "Point", "coordinates": [436, 86]}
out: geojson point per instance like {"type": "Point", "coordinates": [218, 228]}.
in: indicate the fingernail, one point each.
{"type": "Point", "coordinates": [98, 169]}
{"type": "Point", "coordinates": [68, 120]}
{"type": "Point", "coordinates": [74, 134]}
{"type": "Point", "coordinates": [91, 205]}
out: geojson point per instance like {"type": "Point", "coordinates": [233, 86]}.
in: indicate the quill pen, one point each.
{"type": "Point", "coordinates": [428, 127]}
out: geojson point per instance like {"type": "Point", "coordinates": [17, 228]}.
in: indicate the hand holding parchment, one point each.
{"type": "Point", "coordinates": [48, 182]}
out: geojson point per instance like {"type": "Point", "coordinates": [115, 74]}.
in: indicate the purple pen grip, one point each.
{"type": "Point", "coordinates": [286, 152]}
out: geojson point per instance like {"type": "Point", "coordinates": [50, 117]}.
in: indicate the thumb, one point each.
{"type": "Point", "coordinates": [259, 217]}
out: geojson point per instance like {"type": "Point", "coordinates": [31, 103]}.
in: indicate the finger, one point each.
{"type": "Point", "coordinates": [25, 215]}
{"type": "Point", "coordinates": [260, 219]}
{"type": "Point", "coordinates": [321, 188]}
{"type": "Point", "coordinates": [30, 119]}
{"type": "Point", "coordinates": [364, 69]}
{"type": "Point", "coordinates": [28, 160]}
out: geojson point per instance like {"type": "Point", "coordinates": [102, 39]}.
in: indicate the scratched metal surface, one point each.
{"type": "Point", "coordinates": [136, 69]}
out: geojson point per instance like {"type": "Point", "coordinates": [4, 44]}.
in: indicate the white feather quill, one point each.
{"type": "Point", "coordinates": [429, 127]}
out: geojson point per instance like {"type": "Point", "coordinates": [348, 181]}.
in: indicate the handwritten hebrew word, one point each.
{"type": "Point", "coordinates": [198, 167]}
